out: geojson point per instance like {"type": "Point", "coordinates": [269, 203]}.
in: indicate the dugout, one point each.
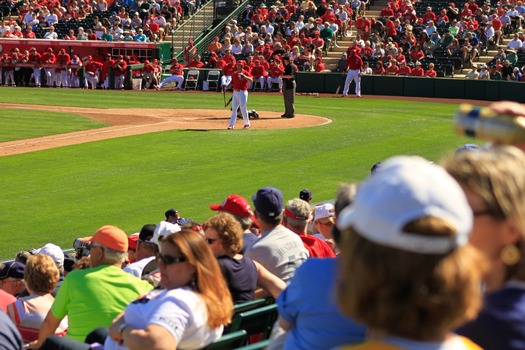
{"type": "Point", "coordinates": [84, 48]}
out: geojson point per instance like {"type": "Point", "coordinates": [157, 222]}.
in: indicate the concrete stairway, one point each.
{"type": "Point", "coordinates": [480, 60]}
{"type": "Point", "coordinates": [333, 56]}
{"type": "Point", "coordinates": [191, 28]}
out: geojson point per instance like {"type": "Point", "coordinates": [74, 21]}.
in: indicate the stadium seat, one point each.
{"type": "Point", "coordinates": [229, 341]}
{"type": "Point", "coordinates": [256, 346]}
{"type": "Point", "coordinates": [247, 306]}
{"type": "Point", "coordinates": [257, 321]}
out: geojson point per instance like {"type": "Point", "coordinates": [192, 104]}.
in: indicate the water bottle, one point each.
{"type": "Point", "coordinates": [161, 58]}
{"type": "Point", "coordinates": [482, 123]}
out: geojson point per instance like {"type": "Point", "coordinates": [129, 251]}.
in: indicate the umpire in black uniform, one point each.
{"type": "Point", "coordinates": [289, 88]}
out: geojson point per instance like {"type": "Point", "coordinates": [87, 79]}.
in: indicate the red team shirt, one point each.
{"type": "Point", "coordinates": [240, 83]}
{"type": "Point", "coordinates": [354, 63]}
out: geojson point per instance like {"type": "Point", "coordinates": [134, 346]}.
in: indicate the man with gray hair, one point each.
{"type": "Point", "coordinates": [296, 218]}
{"type": "Point", "coordinates": [93, 297]}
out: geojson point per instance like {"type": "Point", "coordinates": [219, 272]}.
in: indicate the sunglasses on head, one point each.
{"type": "Point", "coordinates": [168, 259]}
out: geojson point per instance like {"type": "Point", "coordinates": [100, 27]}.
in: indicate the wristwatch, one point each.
{"type": "Point", "coordinates": [121, 328]}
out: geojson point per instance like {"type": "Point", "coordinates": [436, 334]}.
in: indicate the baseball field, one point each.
{"type": "Point", "coordinates": [72, 161]}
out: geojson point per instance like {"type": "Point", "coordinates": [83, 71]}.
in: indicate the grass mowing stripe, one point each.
{"type": "Point", "coordinates": [18, 124]}
{"type": "Point", "coordinates": [57, 195]}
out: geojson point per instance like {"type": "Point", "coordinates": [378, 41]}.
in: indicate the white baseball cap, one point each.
{"type": "Point", "coordinates": [406, 189]}
{"type": "Point", "coordinates": [54, 251]}
{"type": "Point", "coordinates": [326, 210]}
{"type": "Point", "coordinates": [164, 228]}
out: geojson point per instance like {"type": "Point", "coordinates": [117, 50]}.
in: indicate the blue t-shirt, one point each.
{"type": "Point", "coordinates": [10, 338]}
{"type": "Point", "coordinates": [501, 323]}
{"type": "Point", "coordinates": [309, 304]}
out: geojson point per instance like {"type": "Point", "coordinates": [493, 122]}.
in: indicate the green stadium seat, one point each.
{"type": "Point", "coordinates": [262, 345]}
{"type": "Point", "coordinates": [257, 321]}
{"type": "Point", "coordinates": [249, 305]}
{"type": "Point", "coordinates": [229, 341]}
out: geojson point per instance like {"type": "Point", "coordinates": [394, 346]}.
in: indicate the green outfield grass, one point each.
{"type": "Point", "coordinates": [60, 194]}
{"type": "Point", "coordinates": [19, 124]}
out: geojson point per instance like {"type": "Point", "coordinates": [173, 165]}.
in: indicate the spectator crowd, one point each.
{"type": "Point", "coordinates": [407, 39]}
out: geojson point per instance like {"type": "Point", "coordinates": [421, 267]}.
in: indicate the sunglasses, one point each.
{"type": "Point", "coordinates": [168, 259]}
{"type": "Point", "coordinates": [210, 240]}
{"type": "Point", "coordinates": [91, 246]}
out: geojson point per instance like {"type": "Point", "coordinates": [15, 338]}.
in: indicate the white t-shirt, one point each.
{"type": "Point", "coordinates": [137, 267]}
{"type": "Point", "coordinates": [180, 311]}
{"type": "Point", "coordinates": [51, 36]}
{"type": "Point", "coordinates": [514, 44]}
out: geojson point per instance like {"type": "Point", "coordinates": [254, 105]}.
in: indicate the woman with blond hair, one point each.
{"type": "Point", "coordinates": [407, 270]}
{"type": "Point", "coordinates": [41, 276]}
{"type": "Point", "coordinates": [243, 275]}
{"type": "Point", "coordinates": [494, 182]}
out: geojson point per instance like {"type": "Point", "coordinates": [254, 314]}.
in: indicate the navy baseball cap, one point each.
{"type": "Point", "coordinates": [146, 232]}
{"type": "Point", "coordinates": [13, 269]}
{"type": "Point", "coordinates": [305, 195]}
{"type": "Point", "coordinates": [268, 201]}
{"type": "Point", "coordinates": [170, 212]}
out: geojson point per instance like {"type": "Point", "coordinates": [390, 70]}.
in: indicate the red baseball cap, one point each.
{"type": "Point", "coordinates": [235, 204]}
{"type": "Point", "coordinates": [132, 240]}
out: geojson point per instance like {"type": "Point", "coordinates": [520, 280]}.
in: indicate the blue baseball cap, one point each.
{"type": "Point", "coordinates": [268, 201]}
{"type": "Point", "coordinates": [13, 269]}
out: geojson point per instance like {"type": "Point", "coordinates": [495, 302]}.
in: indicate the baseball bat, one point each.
{"type": "Point", "coordinates": [229, 101]}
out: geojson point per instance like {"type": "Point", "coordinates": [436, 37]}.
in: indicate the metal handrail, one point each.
{"type": "Point", "coordinates": [204, 35]}
{"type": "Point", "coordinates": [202, 44]}
{"type": "Point", "coordinates": [191, 28]}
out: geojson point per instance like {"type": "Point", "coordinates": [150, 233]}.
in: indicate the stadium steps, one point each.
{"type": "Point", "coordinates": [333, 55]}
{"type": "Point", "coordinates": [197, 24]}
{"type": "Point", "coordinates": [482, 59]}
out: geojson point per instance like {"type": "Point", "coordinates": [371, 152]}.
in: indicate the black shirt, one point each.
{"type": "Point", "coordinates": [241, 277]}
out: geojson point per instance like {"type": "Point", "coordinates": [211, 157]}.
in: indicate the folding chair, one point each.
{"type": "Point", "coordinates": [213, 80]}
{"type": "Point", "coordinates": [192, 80]}
{"type": "Point", "coordinates": [257, 86]}
{"type": "Point", "coordinates": [229, 341]}
{"type": "Point", "coordinates": [256, 321]}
